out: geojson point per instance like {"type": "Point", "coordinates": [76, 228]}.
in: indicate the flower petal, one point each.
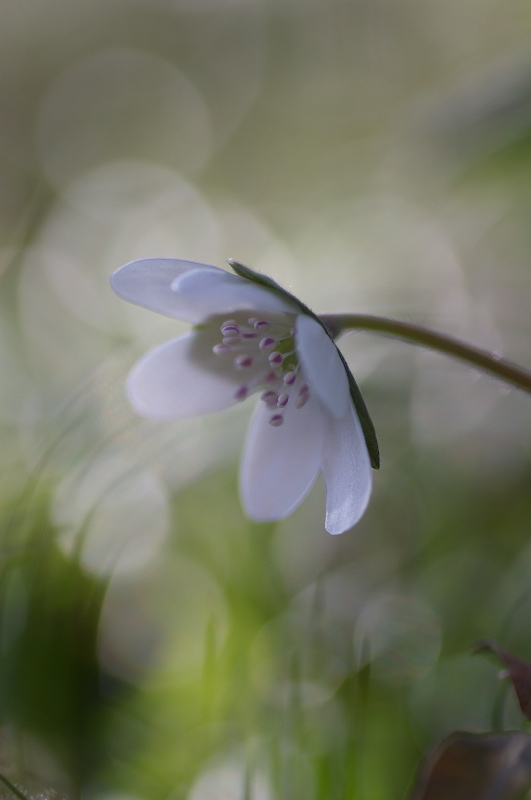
{"type": "Point", "coordinates": [322, 364]}
{"type": "Point", "coordinates": [220, 292]}
{"type": "Point", "coordinates": [347, 472]}
{"type": "Point", "coordinates": [183, 378]}
{"type": "Point", "coordinates": [281, 463]}
{"type": "Point", "coordinates": [147, 282]}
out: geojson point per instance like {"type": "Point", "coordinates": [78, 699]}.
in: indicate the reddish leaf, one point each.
{"type": "Point", "coordinates": [518, 670]}
{"type": "Point", "coordinates": [472, 766]}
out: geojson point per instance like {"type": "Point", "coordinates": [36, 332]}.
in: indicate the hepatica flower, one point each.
{"type": "Point", "coordinates": [249, 337]}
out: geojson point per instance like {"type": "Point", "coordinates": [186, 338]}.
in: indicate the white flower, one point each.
{"type": "Point", "coordinates": [250, 336]}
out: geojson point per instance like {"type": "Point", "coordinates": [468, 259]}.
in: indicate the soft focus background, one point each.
{"type": "Point", "coordinates": [372, 156]}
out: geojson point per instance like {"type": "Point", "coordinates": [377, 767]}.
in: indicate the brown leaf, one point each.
{"type": "Point", "coordinates": [472, 766]}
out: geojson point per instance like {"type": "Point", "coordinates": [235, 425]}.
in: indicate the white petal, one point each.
{"type": "Point", "coordinates": [347, 472]}
{"type": "Point", "coordinates": [221, 292]}
{"type": "Point", "coordinates": [281, 463]}
{"type": "Point", "coordinates": [322, 364]}
{"type": "Point", "coordinates": [183, 378]}
{"type": "Point", "coordinates": [147, 282]}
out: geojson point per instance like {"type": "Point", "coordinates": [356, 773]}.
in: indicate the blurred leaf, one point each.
{"type": "Point", "coordinates": [518, 670]}
{"type": "Point", "coordinates": [487, 121]}
{"type": "Point", "coordinates": [471, 766]}
{"type": "Point", "coordinates": [51, 684]}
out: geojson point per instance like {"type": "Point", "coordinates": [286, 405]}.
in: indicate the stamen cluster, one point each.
{"type": "Point", "coordinates": [266, 349]}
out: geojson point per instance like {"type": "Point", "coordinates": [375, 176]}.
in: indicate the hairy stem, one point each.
{"type": "Point", "coordinates": [425, 337]}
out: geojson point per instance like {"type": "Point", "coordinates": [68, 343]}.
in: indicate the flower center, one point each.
{"type": "Point", "coordinates": [266, 349]}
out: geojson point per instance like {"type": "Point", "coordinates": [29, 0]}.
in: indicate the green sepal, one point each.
{"type": "Point", "coordinates": [269, 283]}
{"type": "Point", "coordinates": [363, 415]}
{"type": "Point", "coordinates": [359, 403]}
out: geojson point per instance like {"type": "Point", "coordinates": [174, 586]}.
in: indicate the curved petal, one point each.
{"type": "Point", "coordinates": [147, 282]}
{"type": "Point", "coordinates": [322, 364]}
{"type": "Point", "coordinates": [220, 292]}
{"type": "Point", "coordinates": [183, 378]}
{"type": "Point", "coordinates": [281, 463]}
{"type": "Point", "coordinates": [347, 472]}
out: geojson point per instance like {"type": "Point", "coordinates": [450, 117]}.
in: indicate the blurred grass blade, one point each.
{"type": "Point", "coordinates": [12, 788]}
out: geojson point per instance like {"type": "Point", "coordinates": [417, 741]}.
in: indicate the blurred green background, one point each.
{"type": "Point", "coordinates": [372, 156]}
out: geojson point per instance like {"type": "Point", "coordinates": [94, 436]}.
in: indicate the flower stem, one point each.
{"type": "Point", "coordinates": [425, 337]}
